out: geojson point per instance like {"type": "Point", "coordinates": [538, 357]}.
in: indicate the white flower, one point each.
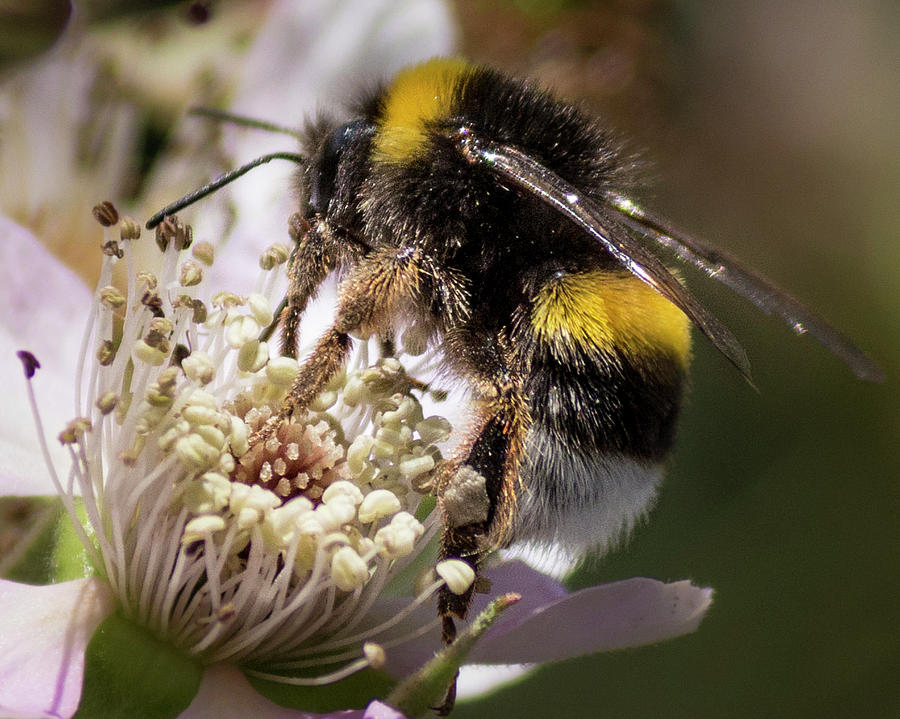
{"type": "Point", "coordinates": [216, 545]}
{"type": "Point", "coordinates": [270, 559]}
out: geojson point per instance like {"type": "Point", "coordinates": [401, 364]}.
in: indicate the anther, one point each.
{"type": "Point", "coordinates": [29, 362]}
{"type": "Point", "coordinates": [105, 213]}
{"type": "Point", "coordinates": [174, 230]}
{"type": "Point", "coordinates": [130, 229]}
{"type": "Point", "coordinates": [204, 252]}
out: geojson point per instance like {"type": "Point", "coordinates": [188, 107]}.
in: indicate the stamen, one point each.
{"type": "Point", "coordinates": [458, 575]}
{"type": "Point", "coordinates": [271, 553]}
{"type": "Point", "coordinates": [336, 676]}
{"type": "Point", "coordinates": [396, 619]}
{"type": "Point", "coordinates": [30, 364]}
{"type": "Point", "coordinates": [106, 214]}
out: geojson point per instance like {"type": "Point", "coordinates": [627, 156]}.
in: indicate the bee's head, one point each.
{"type": "Point", "coordinates": [331, 180]}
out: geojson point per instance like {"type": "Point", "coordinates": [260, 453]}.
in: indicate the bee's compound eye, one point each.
{"type": "Point", "coordinates": [324, 171]}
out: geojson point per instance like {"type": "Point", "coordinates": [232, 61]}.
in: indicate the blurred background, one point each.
{"type": "Point", "coordinates": [770, 129]}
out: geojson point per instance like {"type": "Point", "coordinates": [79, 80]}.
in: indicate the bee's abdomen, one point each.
{"type": "Point", "coordinates": [607, 405]}
{"type": "Point", "coordinates": [606, 360]}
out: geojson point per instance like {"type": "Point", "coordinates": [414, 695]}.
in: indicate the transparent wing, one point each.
{"type": "Point", "coordinates": [747, 283]}
{"type": "Point", "coordinates": [529, 175]}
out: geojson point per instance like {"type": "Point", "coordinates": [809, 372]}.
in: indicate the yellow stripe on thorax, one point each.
{"type": "Point", "coordinates": [608, 311]}
{"type": "Point", "coordinates": [418, 95]}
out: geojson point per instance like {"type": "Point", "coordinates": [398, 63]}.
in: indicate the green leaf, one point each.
{"type": "Point", "coordinates": [128, 672]}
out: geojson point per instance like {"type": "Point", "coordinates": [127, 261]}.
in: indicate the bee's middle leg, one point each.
{"type": "Point", "coordinates": [317, 253]}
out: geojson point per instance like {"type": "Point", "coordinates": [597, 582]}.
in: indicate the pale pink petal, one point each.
{"type": "Point", "coordinates": [550, 625]}
{"type": "Point", "coordinates": [225, 693]}
{"type": "Point", "coordinates": [622, 614]}
{"type": "Point", "coordinates": [43, 308]}
{"type": "Point", "coordinates": [537, 589]}
{"type": "Point", "coordinates": [45, 632]}
{"type": "Point", "coordinates": [379, 710]}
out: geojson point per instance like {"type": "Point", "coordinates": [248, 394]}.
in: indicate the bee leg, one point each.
{"type": "Point", "coordinates": [388, 345]}
{"type": "Point", "coordinates": [478, 497]}
{"type": "Point", "coordinates": [317, 253]}
{"type": "Point", "coordinates": [478, 490]}
{"type": "Point", "coordinates": [367, 299]}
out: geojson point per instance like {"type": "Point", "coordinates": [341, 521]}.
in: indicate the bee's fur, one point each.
{"type": "Point", "coordinates": [563, 506]}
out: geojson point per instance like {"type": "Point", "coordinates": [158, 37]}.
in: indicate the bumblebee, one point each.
{"type": "Point", "coordinates": [496, 220]}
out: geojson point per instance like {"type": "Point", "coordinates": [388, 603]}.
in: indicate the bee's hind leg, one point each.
{"type": "Point", "coordinates": [478, 488]}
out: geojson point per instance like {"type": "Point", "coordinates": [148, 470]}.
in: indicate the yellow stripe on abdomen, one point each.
{"type": "Point", "coordinates": [418, 95]}
{"type": "Point", "coordinates": [610, 311]}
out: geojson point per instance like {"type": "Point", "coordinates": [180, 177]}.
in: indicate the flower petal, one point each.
{"type": "Point", "coordinates": [550, 625]}
{"type": "Point", "coordinates": [45, 632]}
{"type": "Point", "coordinates": [537, 589]}
{"type": "Point", "coordinates": [629, 613]}
{"type": "Point", "coordinates": [225, 693]}
{"type": "Point", "coordinates": [39, 297]}
{"type": "Point", "coordinates": [475, 680]}
{"type": "Point", "coordinates": [380, 710]}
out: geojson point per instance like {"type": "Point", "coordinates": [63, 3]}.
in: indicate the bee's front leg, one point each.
{"type": "Point", "coordinates": [366, 304]}
{"type": "Point", "coordinates": [318, 252]}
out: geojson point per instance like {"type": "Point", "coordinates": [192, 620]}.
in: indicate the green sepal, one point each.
{"type": "Point", "coordinates": [426, 507]}
{"type": "Point", "coordinates": [52, 551]}
{"type": "Point", "coordinates": [354, 692]}
{"type": "Point", "coordinates": [421, 692]}
{"type": "Point", "coordinates": [128, 672]}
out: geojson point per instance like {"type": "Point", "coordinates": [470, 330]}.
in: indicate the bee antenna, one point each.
{"type": "Point", "coordinates": [224, 116]}
{"type": "Point", "coordinates": [219, 182]}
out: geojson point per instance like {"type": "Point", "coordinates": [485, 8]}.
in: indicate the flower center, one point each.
{"type": "Point", "coordinates": [268, 555]}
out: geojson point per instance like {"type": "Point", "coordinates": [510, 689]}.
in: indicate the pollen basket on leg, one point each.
{"type": "Point", "coordinates": [255, 554]}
